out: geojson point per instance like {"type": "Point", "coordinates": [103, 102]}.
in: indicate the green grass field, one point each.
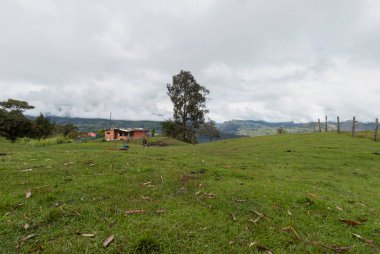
{"type": "Point", "coordinates": [286, 194]}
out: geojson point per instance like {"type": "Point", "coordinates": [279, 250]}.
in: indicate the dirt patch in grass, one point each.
{"type": "Point", "coordinates": [158, 144]}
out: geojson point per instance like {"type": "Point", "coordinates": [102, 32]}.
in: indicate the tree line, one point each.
{"type": "Point", "coordinates": [14, 124]}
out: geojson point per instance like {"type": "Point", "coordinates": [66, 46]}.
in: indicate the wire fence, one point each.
{"type": "Point", "coordinates": [354, 128]}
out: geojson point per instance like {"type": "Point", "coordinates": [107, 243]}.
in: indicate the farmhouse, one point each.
{"type": "Point", "coordinates": [125, 134]}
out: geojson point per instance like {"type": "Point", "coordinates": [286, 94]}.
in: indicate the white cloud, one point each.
{"type": "Point", "coordinates": [296, 93]}
{"type": "Point", "coordinates": [274, 60]}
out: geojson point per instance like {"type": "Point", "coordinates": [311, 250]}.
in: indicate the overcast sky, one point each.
{"type": "Point", "coordinates": [283, 60]}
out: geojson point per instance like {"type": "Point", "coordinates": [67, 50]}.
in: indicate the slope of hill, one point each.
{"type": "Point", "coordinates": [305, 193]}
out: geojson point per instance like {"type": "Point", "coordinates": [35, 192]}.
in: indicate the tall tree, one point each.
{"type": "Point", "coordinates": [12, 104]}
{"type": "Point", "coordinates": [42, 127]}
{"type": "Point", "coordinates": [3, 120]}
{"type": "Point", "coordinates": [169, 129]}
{"type": "Point", "coordinates": [153, 132]}
{"type": "Point", "coordinates": [13, 123]}
{"type": "Point", "coordinates": [189, 104]}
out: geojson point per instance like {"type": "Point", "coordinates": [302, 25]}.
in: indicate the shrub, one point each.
{"type": "Point", "coordinates": [45, 142]}
{"type": "Point", "coordinates": [4, 140]}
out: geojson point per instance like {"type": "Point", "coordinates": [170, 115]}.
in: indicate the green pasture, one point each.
{"type": "Point", "coordinates": [292, 193]}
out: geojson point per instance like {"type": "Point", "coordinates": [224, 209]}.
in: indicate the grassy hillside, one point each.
{"type": "Point", "coordinates": [287, 194]}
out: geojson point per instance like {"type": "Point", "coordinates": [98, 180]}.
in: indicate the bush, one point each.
{"type": "Point", "coordinates": [4, 140]}
{"type": "Point", "coordinates": [72, 135]}
{"type": "Point", "coordinates": [45, 142]}
{"type": "Point", "coordinates": [23, 140]}
{"type": "Point", "coordinates": [280, 131]}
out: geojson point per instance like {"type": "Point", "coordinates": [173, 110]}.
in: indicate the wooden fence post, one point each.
{"type": "Point", "coordinates": [338, 124]}
{"type": "Point", "coordinates": [353, 126]}
{"type": "Point", "coordinates": [326, 123]}
{"type": "Point", "coordinates": [319, 125]}
{"type": "Point", "coordinates": [376, 128]}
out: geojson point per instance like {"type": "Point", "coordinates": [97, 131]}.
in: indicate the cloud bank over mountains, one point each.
{"type": "Point", "coordinates": [292, 60]}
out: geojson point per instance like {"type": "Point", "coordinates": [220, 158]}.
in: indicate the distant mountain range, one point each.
{"type": "Point", "coordinates": [89, 124]}
{"type": "Point", "coordinates": [230, 128]}
{"type": "Point", "coordinates": [262, 128]}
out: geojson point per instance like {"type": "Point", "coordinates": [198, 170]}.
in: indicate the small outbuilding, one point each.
{"type": "Point", "coordinates": [125, 134]}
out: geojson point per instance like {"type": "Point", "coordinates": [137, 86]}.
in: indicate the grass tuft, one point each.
{"type": "Point", "coordinates": [147, 245]}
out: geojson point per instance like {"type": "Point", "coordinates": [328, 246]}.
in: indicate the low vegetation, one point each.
{"type": "Point", "coordinates": [57, 140]}
{"type": "Point", "coordinates": [309, 193]}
